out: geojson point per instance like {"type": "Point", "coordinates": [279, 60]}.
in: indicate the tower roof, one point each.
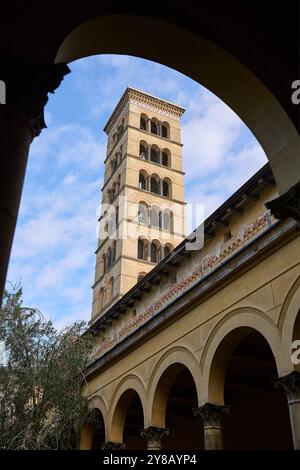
{"type": "Point", "coordinates": [145, 100]}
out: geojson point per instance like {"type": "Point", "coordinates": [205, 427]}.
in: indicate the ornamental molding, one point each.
{"type": "Point", "coordinates": [145, 101]}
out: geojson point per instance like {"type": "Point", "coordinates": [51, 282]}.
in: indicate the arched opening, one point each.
{"type": "Point", "coordinates": [110, 290]}
{"type": "Point", "coordinates": [128, 420]}
{"type": "Point", "coordinates": [166, 187]}
{"type": "Point", "coordinates": [165, 130]}
{"type": "Point", "coordinates": [155, 184]}
{"type": "Point", "coordinates": [167, 249]}
{"type": "Point", "coordinates": [143, 180]}
{"type": "Point", "coordinates": [92, 436]}
{"type": "Point", "coordinates": [140, 276]}
{"type": "Point", "coordinates": [155, 216]}
{"type": "Point", "coordinates": [154, 154]}
{"type": "Point", "coordinates": [143, 213]}
{"type": "Point", "coordinates": [154, 126]}
{"type": "Point", "coordinates": [167, 221]}
{"type": "Point", "coordinates": [143, 151]}
{"type": "Point", "coordinates": [155, 251]}
{"type": "Point", "coordinates": [174, 400]}
{"type": "Point", "coordinates": [143, 122]}
{"type": "Point", "coordinates": [142, 249]}
{"type": "Point", "coordinates": [165, 158]}
{"type": "Point", "coordinates": [242, 370]}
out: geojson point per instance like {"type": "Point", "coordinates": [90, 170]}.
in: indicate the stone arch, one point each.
{"type": "Point", "coordinates": [95, 403]}
{"type": "Point", "coordinates": [289, 320]}
{"type": "Point", "coordinates": [229, 332]}
{"type": "Point", "coordinates": [124, 392]}
{"type": "Point", "coordinates": [171, 361]}
{"type": "Point", "coordinates": [239, 87]}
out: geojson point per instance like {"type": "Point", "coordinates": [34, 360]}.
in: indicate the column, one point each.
{"type": "Point", "coordinates": [160, 156]}
{"type": "Point", "coordinates": [291, 385]}
{"type": "Point", "coordinates": [161, 187]}
{"type": "Point", "coordinates": [112, 446]}
{"type": "Point", "coordinates": [148, 249]}
{"type": "Point", "coordinates": [154, 437]}
{"type": "Point", "coordinates": [148, 153]}
{"type": "Point", "coordinates": [21, 119]}
{"type": "Point", "coordinates": [149, 125]}
{"type": "Point", "coordinates": [211, 416]}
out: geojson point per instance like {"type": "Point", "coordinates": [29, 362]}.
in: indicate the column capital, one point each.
{"type": "Point", "coordinates": [112, 446]}
{"type": "Point", "coordinates": [154, 436]}
{"type": "Point", "coordinates": [291, 385]}
{"type": "Point", "coordinates": [211, 414]}
{"type": "Point", "coordinates": [27, 87]}
{"type": "Point", "coordinates": [286, 205]}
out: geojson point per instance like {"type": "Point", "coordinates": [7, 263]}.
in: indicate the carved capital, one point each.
{"type": "Point", "coordinates": [286, 205]}
{"type": "Point", "coordinates": [112, 446]}
{"type": "Point", "coordinates": [211, 414]}
{"type": "Point", "coordinates": [154, 436]}
{"type": "Point", "coordinates": [27, 87]}
{"type": "Point", "coordinates": [291, 385]}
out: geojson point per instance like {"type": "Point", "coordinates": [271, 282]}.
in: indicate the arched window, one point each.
{"type": "Point", "coordinates": [142, 181]}
{"type": "Point", "coordinates": [167, 249]}
{"type": "Point", "coordinates": [165, 158]}
{"type": "Point", "coordinates": [104, 263]}
{"type": "Point", "coordinates": [154, 185]}
{"type": "Point", "coordinates": [155, 252]}
{"type": "Point", "coordinates": [143, 213]}
{"type": "Point", "coordinates": [143, 151]}
{"type": "Point", "coordinates": [113, 253]}
{"type": "Point", "coordinates": [142, 248]}
{"type": "Point", "coordinates": [140, 276]}
{"type": "Point", "coordinates": [165, 130]}
{"type": "Point", "coordinates": [143, 123]}
{"type": "Point", "coordinates": [101, 298]}
{"type": "Point", "coordinates": [166, 222]}
{"type": "Point", "coordinates": [155, 217]}
{"type": "Point", "coordinates": [154, 155]}
{"type": "Point", "coordinates": [154, 127]}
{"type": "Point", "coordinates": [108, 259]}
{"type": "Point", "coordinates": [110, 291]}
{"type": "Point", "coordinates": [166, 188]}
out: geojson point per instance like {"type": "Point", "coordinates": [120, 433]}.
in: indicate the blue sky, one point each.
{"type": "Point", "coordinates": [55, 240]}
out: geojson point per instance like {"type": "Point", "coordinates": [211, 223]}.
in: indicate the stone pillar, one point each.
{"type": "Point", "coordinates": [160, 156]}
{"type": "Point", "coordinates": [148, 156]}
{"type": "Point", "coordinates": [211, 416]}
{"type": "Point", "coordinates": [154, 437]}
{"type": "Point", "coordinates": [291, 385]}
{"type": "Point", "coordinates": [112, 446]}
{"type": "Point", "coordinates": [149, 125]}
{"type": "Point", "coordinates": [21, 119]}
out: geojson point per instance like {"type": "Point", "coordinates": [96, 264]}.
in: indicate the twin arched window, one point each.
{"type": "Point", "coordinates": [106, 294]}
{"type": "Point", "coordinates": [156, 217]}
{"type": "Point", "coordinates": [152, 251]}
{"type": "Point", "coordinates": [156, 127]}
{"type": "Point", "coordinates": [155, 154]}
{"type": "Point", "coordinates": [109, 258]}
{"type": "Point", "coordinates": [155, 184]}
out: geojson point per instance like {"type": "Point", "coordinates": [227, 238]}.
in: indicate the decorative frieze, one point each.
{"type": "Point", "coordinates": [156, 300]}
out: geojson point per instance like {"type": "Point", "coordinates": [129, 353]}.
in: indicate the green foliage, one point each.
{"type": "Point", "coordinates": [41, 403]}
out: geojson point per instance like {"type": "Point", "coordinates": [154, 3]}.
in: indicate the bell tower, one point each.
{"type": "Point", "coordinates": [143, 210]}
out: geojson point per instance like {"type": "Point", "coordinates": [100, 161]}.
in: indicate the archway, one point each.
{"type": "Point", "coordinates": [128, 421]}
{"type": "Point", "coordinates": [93, 432]}
{"type": "Point", "coordinates": [174, 399]}
{"type": "Point", "coordinates": [205, 62]}
{"type": "Point", "coordinates": [242, 370]}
